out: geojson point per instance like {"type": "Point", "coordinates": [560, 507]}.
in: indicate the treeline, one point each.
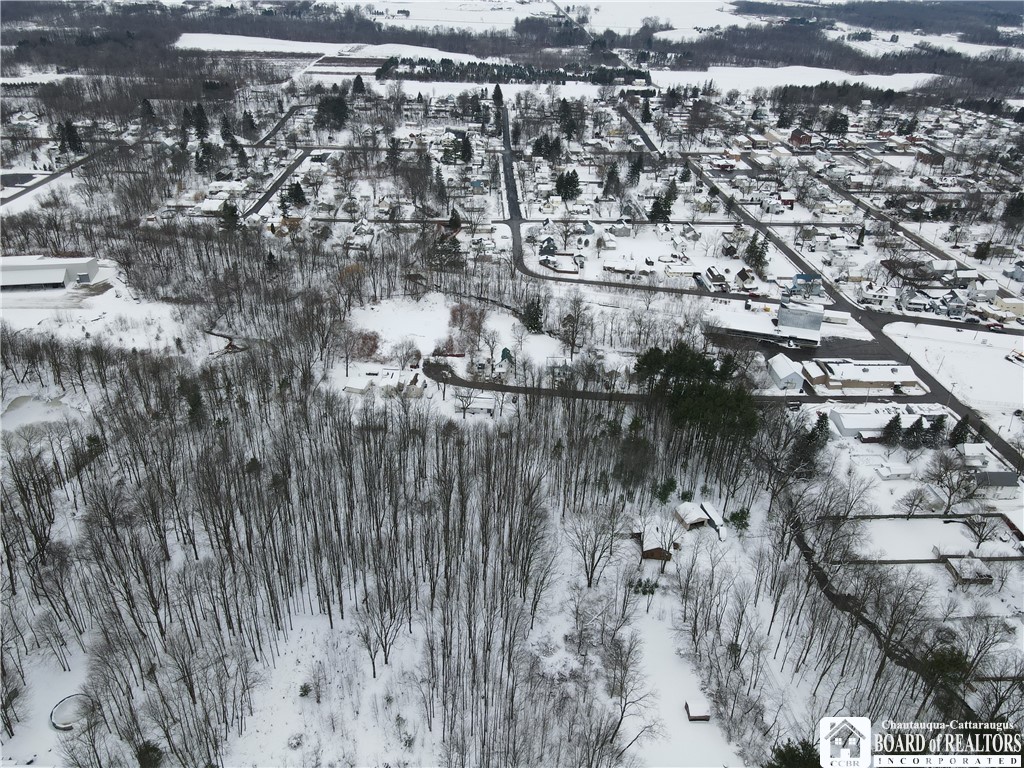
{"type": "Point", "coordinates": [980, 20]}
{"type": "Point", "coordinates": [295, 21]}
{"type": "Point", "coordinates": [997, 74]}
{"type": "Point", "coordinates": [487, 72]}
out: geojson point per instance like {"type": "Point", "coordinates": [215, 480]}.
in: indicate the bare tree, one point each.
{"type": "Point", "coordinates": [982, 528]}
{"type": "Point", "coordinates": [592, 534]}
{"type": "Point", "coordinates": [948, 472]}
{"type": "Point", "coordinates": [913, 501]}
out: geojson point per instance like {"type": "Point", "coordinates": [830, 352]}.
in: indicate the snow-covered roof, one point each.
{"type": "Point", "coordinates": [782, 366]}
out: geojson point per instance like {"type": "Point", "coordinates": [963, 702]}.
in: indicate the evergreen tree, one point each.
{"type": "Point", "coordinates": [802, 754]}
{"type": "Point", "coordinates": [892, 434]}
{"type": "Point", "coordinates": [296, 195]}
{"type": "Point", "coordinates": [567, 185]}
{"type": "Point", "coordinates": [935, 433]}
{"type": "Point", "coordinates": [466, 150]}
{"type": "Point", "coordinates": [671, 193]}
{"type": "Point", "coordinates": [659, 212]}
{"type": "Point", "coordinates": [516, 132]}
{"type": "Point", "coordinates": [394, 155]}
{"type": "Point", "coordinates": [960, 433]}
{"type": "Point", "coordinates": [248, 125]}
{"type": "Point", "coordinates": [358, 87]}
{"type": "Point", "coordinates": [860, 235]}
{"type": "Point", "coordinates": [226, 134]}
{"type": "Point", "coordinates": [612, 182]}
{"type": "Point", "coordinates": [331, 113]}
{"type": "Point", "coordinates": [241, 156]}
{"type": "Point", "coordinates": [761, 259]}
{"type": "Point", "coordinates": [497, 97]}
{"type": "Point", "coordinates": [645, 113]}
{"type": "Point", "coordinates": [204, 157]}
{"type": "Point", "coordinates": [838, 124]}
{"type": "Point", "coordinates": [147, 111]}
{"type": "Point", "coordinates": [533, 315]}
{"type": "Point", "coordinates": [1013, 213]}
{"type": "Point", "coordinates": [821, 431]}
{"type": "Point", "coordinates": [982, 251]}
{"type": "Point", "coordinates": [684, 174]}
{"type": "Point", "coordinates": [785, 119]}
{"type": "Point", "coordinates": [74, 142]}
{"type": "Point", "coordinates": [750, 252]}
{"type": "Point", "coordinates": [200, 122]}
{"type": "Point", "coordinates": [636, 167]}
{"type": "Point", "coordinates": [440, 189]}
{"type": "Point", "coordinates": [454, 221]}
{"type": "Point", "coordinates": [913, 436]}
{"type": "Point", "coordinates": [229, 216]}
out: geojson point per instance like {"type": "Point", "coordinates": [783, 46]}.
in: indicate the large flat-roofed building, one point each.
{"type": "Point", "coordinates": [38, 272]}
{"type": "Point", "coordinates": [865, 374]}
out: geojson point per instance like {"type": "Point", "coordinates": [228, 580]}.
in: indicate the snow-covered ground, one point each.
{"type": "Point", "coordinates": [474, 15]}
{"type": "Point", "coordinates": [213, 42]}
{"type": "Point", "coordinates": [973, 365]}
{"type": "Point", "coordinates": [747, 78]}
{"type": "Point", "coordinates": [881, 42]}
{"type": "Point", "coordinates": [687, 18]}
{"type": "Point", "coordinates": [106, 310]}
{"type": "Point", "coordinates": [913, 539]}
{"type": "Point", "coordinates": [35, 741]}
{"type": "Point", "coordinates": [673, 680]}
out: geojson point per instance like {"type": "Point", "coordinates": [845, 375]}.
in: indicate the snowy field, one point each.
{"type": "Point", "coordinates": [881, 43]}
{"type": "Point", "coordinates": [687, 17]}
{"type": "Point", "coordinates": [973, 365]}
{"type": "Point", "coordinates": [474, 15]}
{"type": "Point", "coordinates": [748, 78]}
{"type": "Point", "coordinates": [213, 42]}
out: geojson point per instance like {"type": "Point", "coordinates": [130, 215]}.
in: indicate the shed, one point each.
{"type": "Point", "coordinates": [968, 570]}
{"type": "Point", "coordinates": [697, 708]}
{"type": "Point", "coordinates": [657, 553]}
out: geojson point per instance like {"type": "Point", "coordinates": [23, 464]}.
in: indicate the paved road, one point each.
{"type": "Point", "coordinates": [67, 169]}
{"type": "Point", "coordinates": [277, 183]}
{"type": "Point", "coordinates": [280, 124]}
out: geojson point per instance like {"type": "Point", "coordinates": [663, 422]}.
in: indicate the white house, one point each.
{"type": "Point", "coordinates": [784, 373]}
{"type": "Point", "coordinates": [984, 290]}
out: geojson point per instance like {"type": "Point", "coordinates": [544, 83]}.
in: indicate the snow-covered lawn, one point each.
{"type": "Point", "coordinates": [913, 539]}
{"type": "Point", "coordinates": [973, 365]}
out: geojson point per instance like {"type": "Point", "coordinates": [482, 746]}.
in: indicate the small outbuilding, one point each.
{"type": "Point", "coordinates": [697, 708]}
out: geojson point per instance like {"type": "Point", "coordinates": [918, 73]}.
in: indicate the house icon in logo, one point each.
{"type": "Point", "coordinates": [845, 742]}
